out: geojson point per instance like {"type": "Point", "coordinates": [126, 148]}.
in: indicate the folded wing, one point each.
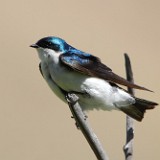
{"type": "Point", "coordinates": [92, 66]}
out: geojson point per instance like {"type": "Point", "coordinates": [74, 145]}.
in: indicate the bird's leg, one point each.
{"type": "Point", "coordinates": [71, 97]}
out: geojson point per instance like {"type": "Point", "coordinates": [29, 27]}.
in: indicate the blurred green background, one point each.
{"type": "Point", "coordinates": [35, 124]}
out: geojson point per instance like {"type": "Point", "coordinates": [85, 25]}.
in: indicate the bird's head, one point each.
{"type": "Point", "coordinates": [50, 45]}
{"type": "Point", "coordinates": [54, 46]}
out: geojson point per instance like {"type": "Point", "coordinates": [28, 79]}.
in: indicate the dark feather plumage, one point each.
{"type": "Point", "coordinates": [93, 66]}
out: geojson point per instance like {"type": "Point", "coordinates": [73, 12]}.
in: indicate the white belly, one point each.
{"type": "Point", "coordinates": [96, 93]}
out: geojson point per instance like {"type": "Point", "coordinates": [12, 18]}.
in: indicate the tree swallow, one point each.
{"type": "Point", "coordinates": [69, 70]}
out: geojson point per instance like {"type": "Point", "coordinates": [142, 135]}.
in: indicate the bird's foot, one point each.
{"type": "Point", "coordinates": [71, 98]}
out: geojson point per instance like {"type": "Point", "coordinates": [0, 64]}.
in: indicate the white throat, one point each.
{"type": "Point", "coordinates": [47, 55]}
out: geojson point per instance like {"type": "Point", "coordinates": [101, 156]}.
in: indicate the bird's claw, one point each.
{"type": "Point", "coordinates": [71, 98]}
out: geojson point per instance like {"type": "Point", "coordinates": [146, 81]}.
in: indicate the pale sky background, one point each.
{"type": "Point", "coordinates": [34, 123]}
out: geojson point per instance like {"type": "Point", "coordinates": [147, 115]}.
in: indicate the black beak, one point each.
{"type": "Point", "coordinates": [34, 46]}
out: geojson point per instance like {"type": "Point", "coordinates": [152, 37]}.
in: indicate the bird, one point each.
{"type": "Point", "coordinates": [70, 70]}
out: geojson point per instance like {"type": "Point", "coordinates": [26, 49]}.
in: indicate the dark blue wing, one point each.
{"type": "Point", "coordinates": [92, 66]}
{"type": "Point", "coordinates": [85, 63]}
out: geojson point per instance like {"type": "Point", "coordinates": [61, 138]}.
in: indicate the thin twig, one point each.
{"type": "Point", "coordinates": [83, 124]}
{"type": "Point", "coordinates": [128, 147]}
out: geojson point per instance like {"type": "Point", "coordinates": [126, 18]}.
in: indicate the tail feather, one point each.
{"type": "Point", "coordinates": [138, 109]}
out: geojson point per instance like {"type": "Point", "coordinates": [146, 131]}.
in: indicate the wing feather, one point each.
{"type": "Point", "coordinates": [93, 66]}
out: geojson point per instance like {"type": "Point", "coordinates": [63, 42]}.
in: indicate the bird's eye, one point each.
{"type": "Point", "coordinates": [55, 47]}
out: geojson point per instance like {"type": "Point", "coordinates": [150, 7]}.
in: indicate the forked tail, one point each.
{"type": "Point", "coordinates": [138, 109]}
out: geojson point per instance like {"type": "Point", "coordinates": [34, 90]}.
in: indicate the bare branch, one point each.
{"type": "Point", "coordinates": [128, 147]}
{"type": "Point", "coordinates": [83, 124]}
